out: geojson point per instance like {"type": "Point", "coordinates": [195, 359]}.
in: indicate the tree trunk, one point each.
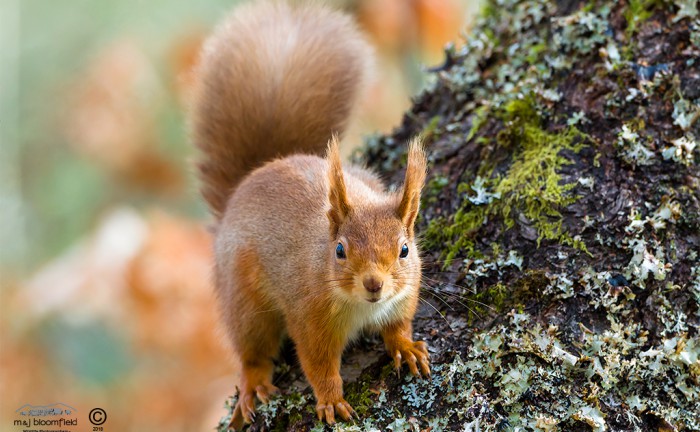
{"type": "Point", "coordinates": [560, 227]}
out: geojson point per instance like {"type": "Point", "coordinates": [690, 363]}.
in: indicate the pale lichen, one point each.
{"type": "Point", "coordinates": [632, 148]}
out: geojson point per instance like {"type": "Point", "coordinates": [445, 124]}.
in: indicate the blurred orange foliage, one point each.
{"type": "Point", "coordinates": [146, 279]}
{"type": "Point", "coordinates": [111, 118]}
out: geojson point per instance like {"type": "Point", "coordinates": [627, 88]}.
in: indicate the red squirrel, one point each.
{"type": "Point", "coordinates": [305, 247]}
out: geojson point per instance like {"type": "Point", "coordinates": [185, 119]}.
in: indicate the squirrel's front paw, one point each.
{"type": "Point", "coordinates": [244, 412]}
{"type": "Point", "coordinates": [415, 354]}
{"type": "Point", "coordinates": [327, 409]}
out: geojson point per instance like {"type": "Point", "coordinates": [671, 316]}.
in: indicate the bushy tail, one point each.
{"type": "Point", "coordinates": [274, 79]}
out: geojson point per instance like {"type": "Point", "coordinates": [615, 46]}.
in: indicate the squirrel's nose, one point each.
{"type": "Point", "coordinates": [372, 284]}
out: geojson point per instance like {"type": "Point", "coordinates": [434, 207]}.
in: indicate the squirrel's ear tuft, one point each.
{"type": "Point", "coordinates": [413, 184]}
{"type": "Point", "coordinates": [337, 195]}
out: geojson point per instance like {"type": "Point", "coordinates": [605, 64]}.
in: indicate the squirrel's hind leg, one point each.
{"type": "Point", "coordinates": [255, 327]}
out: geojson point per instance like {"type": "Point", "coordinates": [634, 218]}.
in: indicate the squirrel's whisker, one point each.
{"type": "Point", "coordinates": [438, 312]}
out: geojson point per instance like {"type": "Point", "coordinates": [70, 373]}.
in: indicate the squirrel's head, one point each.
{"type": "Point", "coordinates": [372, 241]}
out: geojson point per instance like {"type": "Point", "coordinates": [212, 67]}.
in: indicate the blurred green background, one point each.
{"type": "Point", "coordinates": [56, 190]}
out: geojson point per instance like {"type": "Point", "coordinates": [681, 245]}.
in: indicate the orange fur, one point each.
{"type": "Point", "coordinates": [415, 177]}
{"type": "Point", "coordinates": [337, 194]}
{"type": "Point", "coordinates": [277, 268]}
{"type": "Point", "coordinates": [247, 105]}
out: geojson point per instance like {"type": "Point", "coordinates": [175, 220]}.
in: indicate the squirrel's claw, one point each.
{"type": "Point", "coordinates": [415, 354]}
{"type": "Point", "coordinates": [330, 414]}
{"type": "Point", "coordinates": [239, 418]}
{"type": "Point", "coordinates": [244, 412]}
{"type": "Point", "coordinates": [247, 404]}
{"type": "Point", "coordinates": [265, 391]}
{"type": "Point", "coordinates": [411, 361]}
{"type": "Point", "coordinates": [344, 410]}
{"type": "Point", "coordinates": [397, 363]}
{"type": "Point", "coordinates": [327, 410]}
{"type": "Point", "coordinates": [423, 357]}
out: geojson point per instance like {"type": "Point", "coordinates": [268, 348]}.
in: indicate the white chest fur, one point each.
{"type": "Point", "coordinates": [358, 316]}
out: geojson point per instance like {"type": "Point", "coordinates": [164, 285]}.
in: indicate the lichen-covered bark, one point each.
{"type": "Point", "coordinates": [560, 225]}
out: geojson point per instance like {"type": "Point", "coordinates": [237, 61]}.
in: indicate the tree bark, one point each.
{"type": "Point", "coordinates": [560, 226]}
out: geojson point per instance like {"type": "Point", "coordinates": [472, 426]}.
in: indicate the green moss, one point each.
{"type": "Point", "coordinates": [530, 286]}
{"type": "Point", "coordinates": [495, 297]}
{"type": "Point", "coordinates": [637, 12]}
{"type": "Point", "coordinates": [489, 10]}
{"type": "Point", "coordinates": [467, 223]}
{"type": "Point", "coordinates": [535, 53]}
{"type": "Point", "coordinates": [521, 111]}
{"type": "Point", "coordinates": [281, 426]}
{"type": "Point", "coordinates": [387, 370]}
{"type": "Point", "coordinates": [433, 188]}
{"type": "Point", "coordinates": [430, 130]}
{"type": "Point", "coordinates": [295, 417]}
{"type": "Point", "coordinates": [478, 119]}
{"type": "Point", "coordinates": [359, 394]}
{"type": "Point", "coordinates": [500, 297]}
{"type": "Point", "coordinates": [433, 236]}
{"type": "Point", "coordinates": [531, 185]}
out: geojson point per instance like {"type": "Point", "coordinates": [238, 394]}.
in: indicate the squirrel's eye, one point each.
{"type": "Point", "coordinates": [340, 251]}
{"type": "Point", "coordinates": [404, 251]}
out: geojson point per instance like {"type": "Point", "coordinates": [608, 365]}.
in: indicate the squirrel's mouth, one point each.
{"type": "Point", "coordinates": [375, 298]}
